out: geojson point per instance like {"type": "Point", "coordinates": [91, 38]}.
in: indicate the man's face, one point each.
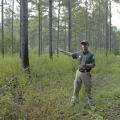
{"type": "Point", "coordinates": [84, 47]}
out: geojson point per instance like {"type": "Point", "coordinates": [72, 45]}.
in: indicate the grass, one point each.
{"type": "Point", "coordinates": [46, 95]}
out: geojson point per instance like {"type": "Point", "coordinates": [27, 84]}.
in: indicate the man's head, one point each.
{"type": "Point", "coordinates": [84, 45]}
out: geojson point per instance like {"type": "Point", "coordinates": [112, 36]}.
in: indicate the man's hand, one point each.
{"type": "Point", "coordinates": [82, 67]}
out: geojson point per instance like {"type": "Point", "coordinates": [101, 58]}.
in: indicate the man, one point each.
{"type": "Point", "coordinates": [86, 63]}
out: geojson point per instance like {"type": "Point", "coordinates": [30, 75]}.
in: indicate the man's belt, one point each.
{"type": "Point", "coordinates": [84, 70]}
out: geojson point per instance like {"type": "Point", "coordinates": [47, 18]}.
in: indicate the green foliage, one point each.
{"type": "Point", "coordinates": [47, 92]}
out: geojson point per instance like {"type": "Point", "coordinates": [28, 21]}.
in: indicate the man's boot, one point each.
{"type": "Point", "coordinates": [91, 103]}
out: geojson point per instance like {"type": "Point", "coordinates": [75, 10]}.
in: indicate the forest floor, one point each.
{"type": "Point", "coordinates": [46, 93]}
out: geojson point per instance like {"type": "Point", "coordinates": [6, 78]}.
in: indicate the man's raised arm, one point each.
{"type": "Point", "coordinates": [73, 55]}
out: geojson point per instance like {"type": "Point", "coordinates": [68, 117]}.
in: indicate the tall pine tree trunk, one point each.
{"type": "Point", "coordinates": [41, 38]}
{"type": "Point", "coordinates": [69, 25]}
{"type": "Point", "coordinates": [39, 28]}
{"type": "Point", "coordinates": [41, 43]}
{"type": "Point", "coordinates": [110, 25]}
{"type": "Point", "coordinates": [99, 31]}
{"type": "Point", "coordinates": [58, 39]}
{"type": "Point", "coordinates": [2, 13]}
{"type": "Point", "coordinates": [12, 43]}
{"type": "Point", "coordinates": [50, 29]}
{"type": "Point", "coordinates": [65, 31]}
{"type": "Point", "coordinates": [107, 28]}
{"type": "Point", "coordinates": [24, 34]}
{"type": "Point", "coordinates": [20, 43]}
{"type": "Point", "coordinates": [86, 20]}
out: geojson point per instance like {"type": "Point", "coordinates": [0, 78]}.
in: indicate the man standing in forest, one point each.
{"type": "Point", "coordinates": [83, 76]}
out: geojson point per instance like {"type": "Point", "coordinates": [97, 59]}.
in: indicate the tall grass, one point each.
{"type": "Point", "coordinates": [46, 94]}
